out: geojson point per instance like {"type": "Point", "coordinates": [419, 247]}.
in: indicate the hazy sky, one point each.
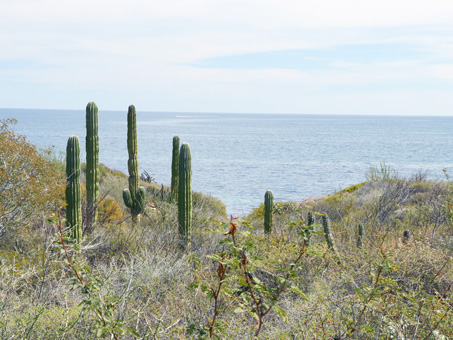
{"type": "Point", "coordinates": [305, 56]}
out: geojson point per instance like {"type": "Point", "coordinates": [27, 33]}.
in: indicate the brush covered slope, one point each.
{"type": "Point", "coordinates": [129, 281]}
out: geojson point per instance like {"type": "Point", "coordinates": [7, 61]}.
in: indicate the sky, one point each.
{"type": "Point", "coordinates": [392, 57]}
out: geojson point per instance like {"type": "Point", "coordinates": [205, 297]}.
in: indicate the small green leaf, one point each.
{"type": "Point", "coordinates": [299, 292]}
{"type": "Point", "coordinates": [99, 332]}
{"type": "Point", "coordinates": [281, 312]}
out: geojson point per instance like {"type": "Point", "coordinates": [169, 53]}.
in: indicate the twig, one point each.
{"type": "Point", "coordinates": [79, 277]}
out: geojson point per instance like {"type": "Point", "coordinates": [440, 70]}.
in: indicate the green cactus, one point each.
{"type": "Point", "coordinates": [134, 197]}
{"type": "Point", "coordinates": [92, 172]}
{"type": "Point", "coordinates": [329, 236]}
{"type": "Point", "coordinates": [310, 219]}
{"type": "Point", "coordinates": [175, 170]}
{"type": "Point", "coordinates": [310, 224]}
{"type": "Point", "coordinates": [185, 193]}
{"type": "Point", "coordinates": [73, 209]}
{"type": "Point", "coordinates": [268, 206]}
{"type": "Point", "coordinates": [406, 236]}
{"type": "Point", "coordinates": [360, 234]}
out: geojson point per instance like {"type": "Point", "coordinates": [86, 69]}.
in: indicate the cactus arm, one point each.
{"type": "Point", "coordinates": [140, 200]}
{"type": "Point", "coordinates": [127, 198]}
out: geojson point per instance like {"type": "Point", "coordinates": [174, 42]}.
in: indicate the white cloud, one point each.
{"type": "Point", "coordinates": [259, 13]}
{"type": "Point", "coordinates": [148, 51]}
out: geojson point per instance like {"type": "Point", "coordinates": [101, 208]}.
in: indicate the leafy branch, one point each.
{"type": "Point", "coordinates": [103, 306]}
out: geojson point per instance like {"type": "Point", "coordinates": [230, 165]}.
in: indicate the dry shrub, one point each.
{"type": "Point", "coordinates": [30, 186]}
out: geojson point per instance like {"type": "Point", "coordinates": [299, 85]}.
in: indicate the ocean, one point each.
{"type": "Point", "coordinates": [237, 157]}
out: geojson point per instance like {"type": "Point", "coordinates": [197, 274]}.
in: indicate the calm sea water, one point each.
{"type": "Point", "coordinates": [237, 157]}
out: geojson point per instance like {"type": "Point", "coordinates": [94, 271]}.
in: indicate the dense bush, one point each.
{"type": "Point", "coordinates": [30, 185]}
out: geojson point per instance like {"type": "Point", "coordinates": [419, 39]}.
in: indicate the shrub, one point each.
{"type": "Point", "coordinates": [30, 185]}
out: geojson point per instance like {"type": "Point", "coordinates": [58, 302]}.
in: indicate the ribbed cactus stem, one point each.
{"type": "Point", "coordinates": [360, 234]}
{"type": "Point", "coordinates": [73, 208]}
{"type": "Point", "coordinates": [134, 198]}
{"type": "Point", "coordinates": [310, 224]}
{"type": "Point", "coordinates": [310, 219]}
{"type": "Point", "coordinates": [92, 172]}
{"type": "Point", "coordinates": [185, 193]}
{"type": "Point", "coordinates": [329, 236]}
{"type": "Point", "coordinates": [132, 163]}
{"type": "Point", "coordinates": [268, 207]}
{"type": "Point", "coordinates": [175, 169]}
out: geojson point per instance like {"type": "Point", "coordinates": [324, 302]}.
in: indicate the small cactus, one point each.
{"type": "Point", "coordinates": [406, 236]}
{"type": "Point", "coordinates": [134, 197]}
{"type": "Point", "coordinates": [310, 224]}
{"type": "Point", "coordinates": [73, 209]}
{"type": "Point", "coordinates": [329, 236]}
{"type": "Point", "coordinates": [175, 169]}
{"type": "Point", "coordinates": [185, 193]}
{"type": "Point", "coordinates": [92, 170]}
{"type": "Point", "coordinates": [268, 206]}
{"type": "Point", "coordinates": [360, 234]}
{"type": "Point", "coordinates": [310, 219]}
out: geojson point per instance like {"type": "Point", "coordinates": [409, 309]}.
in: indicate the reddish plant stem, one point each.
{"type": "Point", "coordinates": [243, 266]}
{"type": "Point", "coordinates": [79, 277]}
{"type": "Point", "coordinates": [216, 294]}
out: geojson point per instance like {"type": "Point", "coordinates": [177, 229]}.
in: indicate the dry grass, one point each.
{"type": "Point", "coordinates": [392, 288]}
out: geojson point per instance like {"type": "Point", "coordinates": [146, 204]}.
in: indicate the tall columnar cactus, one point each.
{"type": "Point", "coordinates": [310, 224]}
{"type": "Point", "coordinates": [175, 169]}
{"type": "Point", "coordinates": [134, 198]}
{"type": "Point", "coordinates": [73, 209]}
{"type": "Point", "coordinates": [329, 236]}
{"type": "Point", "coordinates": [185, 193]}
{"type": "Point", "coordinates": [360, 234]}
{"type": "Point", "coordinates": [268, 206]}
{"type": "Point", "coordinates": [92, 173]}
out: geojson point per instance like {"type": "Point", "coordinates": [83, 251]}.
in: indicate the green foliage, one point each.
{"type": "Point", "coordinates": [92, 166]}
{"type": "Point", "coordinates": [31, 182]}
{"type": "Point", "coordinates": [135, 196]}
{"type": "Point", "coordinates": [175, 169]}
{"type": "Point", "coordinates": [233, 282]}
{"type": "Point", "coordinates": [257, 213]}
{"type": "Point", "coordinates": [268, 210]}
{"type": "Point", "coordinates": [209, 204]}
{"type": "Point", "coordinates": [250, 288]}
{"type": "Point", "coordinates": [57, 160]}
{"type": "Point", "coordinates": [94, 300]}
{"type": "Point", "coordinates": [73, 194]}
{"type": "Point", "coordinates": [353, 188]}
{"type": "Point", "coordinates": [383, 172]}
{"type": "Point", "coordinates": [185, 193]}
{"type": "Point", "coordinates": [109, 211]}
